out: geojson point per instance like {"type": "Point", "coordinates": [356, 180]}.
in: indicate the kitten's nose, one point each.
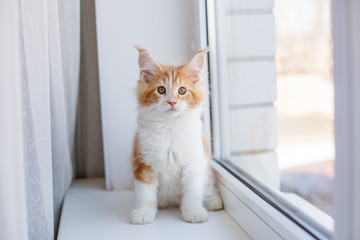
{"type": "Point", "coordinates": [171, 103]}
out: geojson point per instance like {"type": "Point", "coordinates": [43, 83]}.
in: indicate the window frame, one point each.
{"type": "Point", "coordinates": [257, 217]}
{"type": "Point", "coordinates": [346, 36]}
{"type": "Point", "coordinates": [241, 202]}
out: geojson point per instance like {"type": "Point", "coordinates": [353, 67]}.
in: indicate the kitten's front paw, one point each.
{"type": "Point", "coordinates": [214, 203]}
{"type": "Point", "coordinates": [196, 215]}
{"type": "Point", "coordinates": [141, 216]}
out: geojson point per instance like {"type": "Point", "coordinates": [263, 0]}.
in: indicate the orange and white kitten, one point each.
{"type": "Point", "coordinates": [170, 155]}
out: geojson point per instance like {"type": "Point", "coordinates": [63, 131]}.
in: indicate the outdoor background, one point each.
{"type": "Point", "coordinates": [305, 100]}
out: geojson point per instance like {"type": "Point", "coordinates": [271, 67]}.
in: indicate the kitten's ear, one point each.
{"type": "Point", "coordinates": [195, 66]}
{"type": "Point", "coordinates": [149, 67]}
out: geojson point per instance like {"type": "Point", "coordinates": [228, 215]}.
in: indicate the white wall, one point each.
{"type": "Point", "coordinates": [166, 29]}
{"type": "Point", "coordinates": [246, 37]}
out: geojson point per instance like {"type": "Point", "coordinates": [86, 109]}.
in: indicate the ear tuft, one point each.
{"type": "Point", "coordinates": [195, 66]}
{"type": "Point", "coordinates": [149, 67]}
{"type": "Point", "coordinates": [140, 49]}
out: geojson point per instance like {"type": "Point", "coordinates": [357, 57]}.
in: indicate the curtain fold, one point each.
{"type": "Point", "coordinates": [64, 59]}
{"type": "Point", "coordinates": [13, 217]}
{"type": "Point", "coordinates": [34, 57]}
{"type": "Point", "coordinates": [39, 81]}
{"type": "Point", "coordinates": [50, 124]}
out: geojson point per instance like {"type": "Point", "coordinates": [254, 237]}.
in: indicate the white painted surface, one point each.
{"type": "Point", "coordinates": [250, 35]}
{"type": "Point", "coordinates": [313, 212]}
{"type": "Point", "coordinates": [214, 74]}
{"type": "Point", "coordinates": [259, 219]}
{"type": "Point", "coordinates": [253, 129]}
{"type": "Point", "coordinates": [346, 38]}
{"type": "Point", "coordinates": [252, 82]}
{"type": "Point", "coordinates": [166, 29]}
{"type": "Point", "coordinates": [239, 210]}
{"type": "Point", "coordinates": [200, 28]}
{"type": "Point", "coordinates": [90, 212]}
{"type": "Point", "coordinates": [245, 4]}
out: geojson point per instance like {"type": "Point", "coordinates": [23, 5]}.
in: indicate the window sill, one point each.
{"type": "Point", "coordinates": [91, 212]}
{"type": "Point", "coordinates": [258, 218]}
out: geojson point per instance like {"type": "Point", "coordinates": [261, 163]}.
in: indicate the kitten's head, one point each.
{"type": "Point", "coordinates": [170, 90]}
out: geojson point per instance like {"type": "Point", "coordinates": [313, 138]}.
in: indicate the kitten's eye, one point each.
{"type": "Point", "coordinates": [182, 91]}
{"type": "Point", "coordinates": [161, 90]}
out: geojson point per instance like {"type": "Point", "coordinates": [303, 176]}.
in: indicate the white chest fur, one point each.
{"type": "Point", "coordinates": [170, 144]}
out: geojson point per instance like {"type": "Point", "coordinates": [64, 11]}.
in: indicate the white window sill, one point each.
{"type": "Point", "coordinates": [90, 212]}
{"type": "Point", "coordinates": [258, 218]}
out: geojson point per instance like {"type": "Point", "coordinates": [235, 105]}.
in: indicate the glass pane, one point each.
{"type": "Point", "coordinates": [305, 100]}
{"type": "Point", "coordinates": [272, 98]}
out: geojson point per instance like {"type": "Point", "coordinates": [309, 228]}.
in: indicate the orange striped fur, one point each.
{"type": "Point", "coordinates": [146, 91]}
{"type": "Point", "coordinates": [142, 172]}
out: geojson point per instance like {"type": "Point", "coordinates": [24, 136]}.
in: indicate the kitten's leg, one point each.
{"type": "Point", "coordinates": [193, 193]}
{"type": "Point", "coordinates": [146, 204]}
{"type": "Point", "coordinates": [212, 199]}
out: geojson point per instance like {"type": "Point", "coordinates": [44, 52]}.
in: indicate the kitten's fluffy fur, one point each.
{"type": "Point", "coordinates": [171, 156]}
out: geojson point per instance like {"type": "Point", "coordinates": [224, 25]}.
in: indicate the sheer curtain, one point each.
{"type": "Point", "coordinates": [39, 81]}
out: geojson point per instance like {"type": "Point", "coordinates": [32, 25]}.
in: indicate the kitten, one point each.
{"type": "Point", "coordinates": [170, 155]}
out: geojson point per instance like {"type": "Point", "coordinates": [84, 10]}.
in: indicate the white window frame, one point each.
{"type": "Point", "coordinates": [258, 218]}
{"type": "Point", "coordinates": [346, 38]}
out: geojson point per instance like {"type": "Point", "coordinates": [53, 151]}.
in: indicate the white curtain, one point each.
{"type": "Point", "coordinates": [39, 80]}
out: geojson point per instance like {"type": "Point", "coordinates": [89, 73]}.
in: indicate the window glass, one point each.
{"type": "Point", "coordinates": [272, 100]}
{"type": "Point", "coordinates": [305, 101]}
